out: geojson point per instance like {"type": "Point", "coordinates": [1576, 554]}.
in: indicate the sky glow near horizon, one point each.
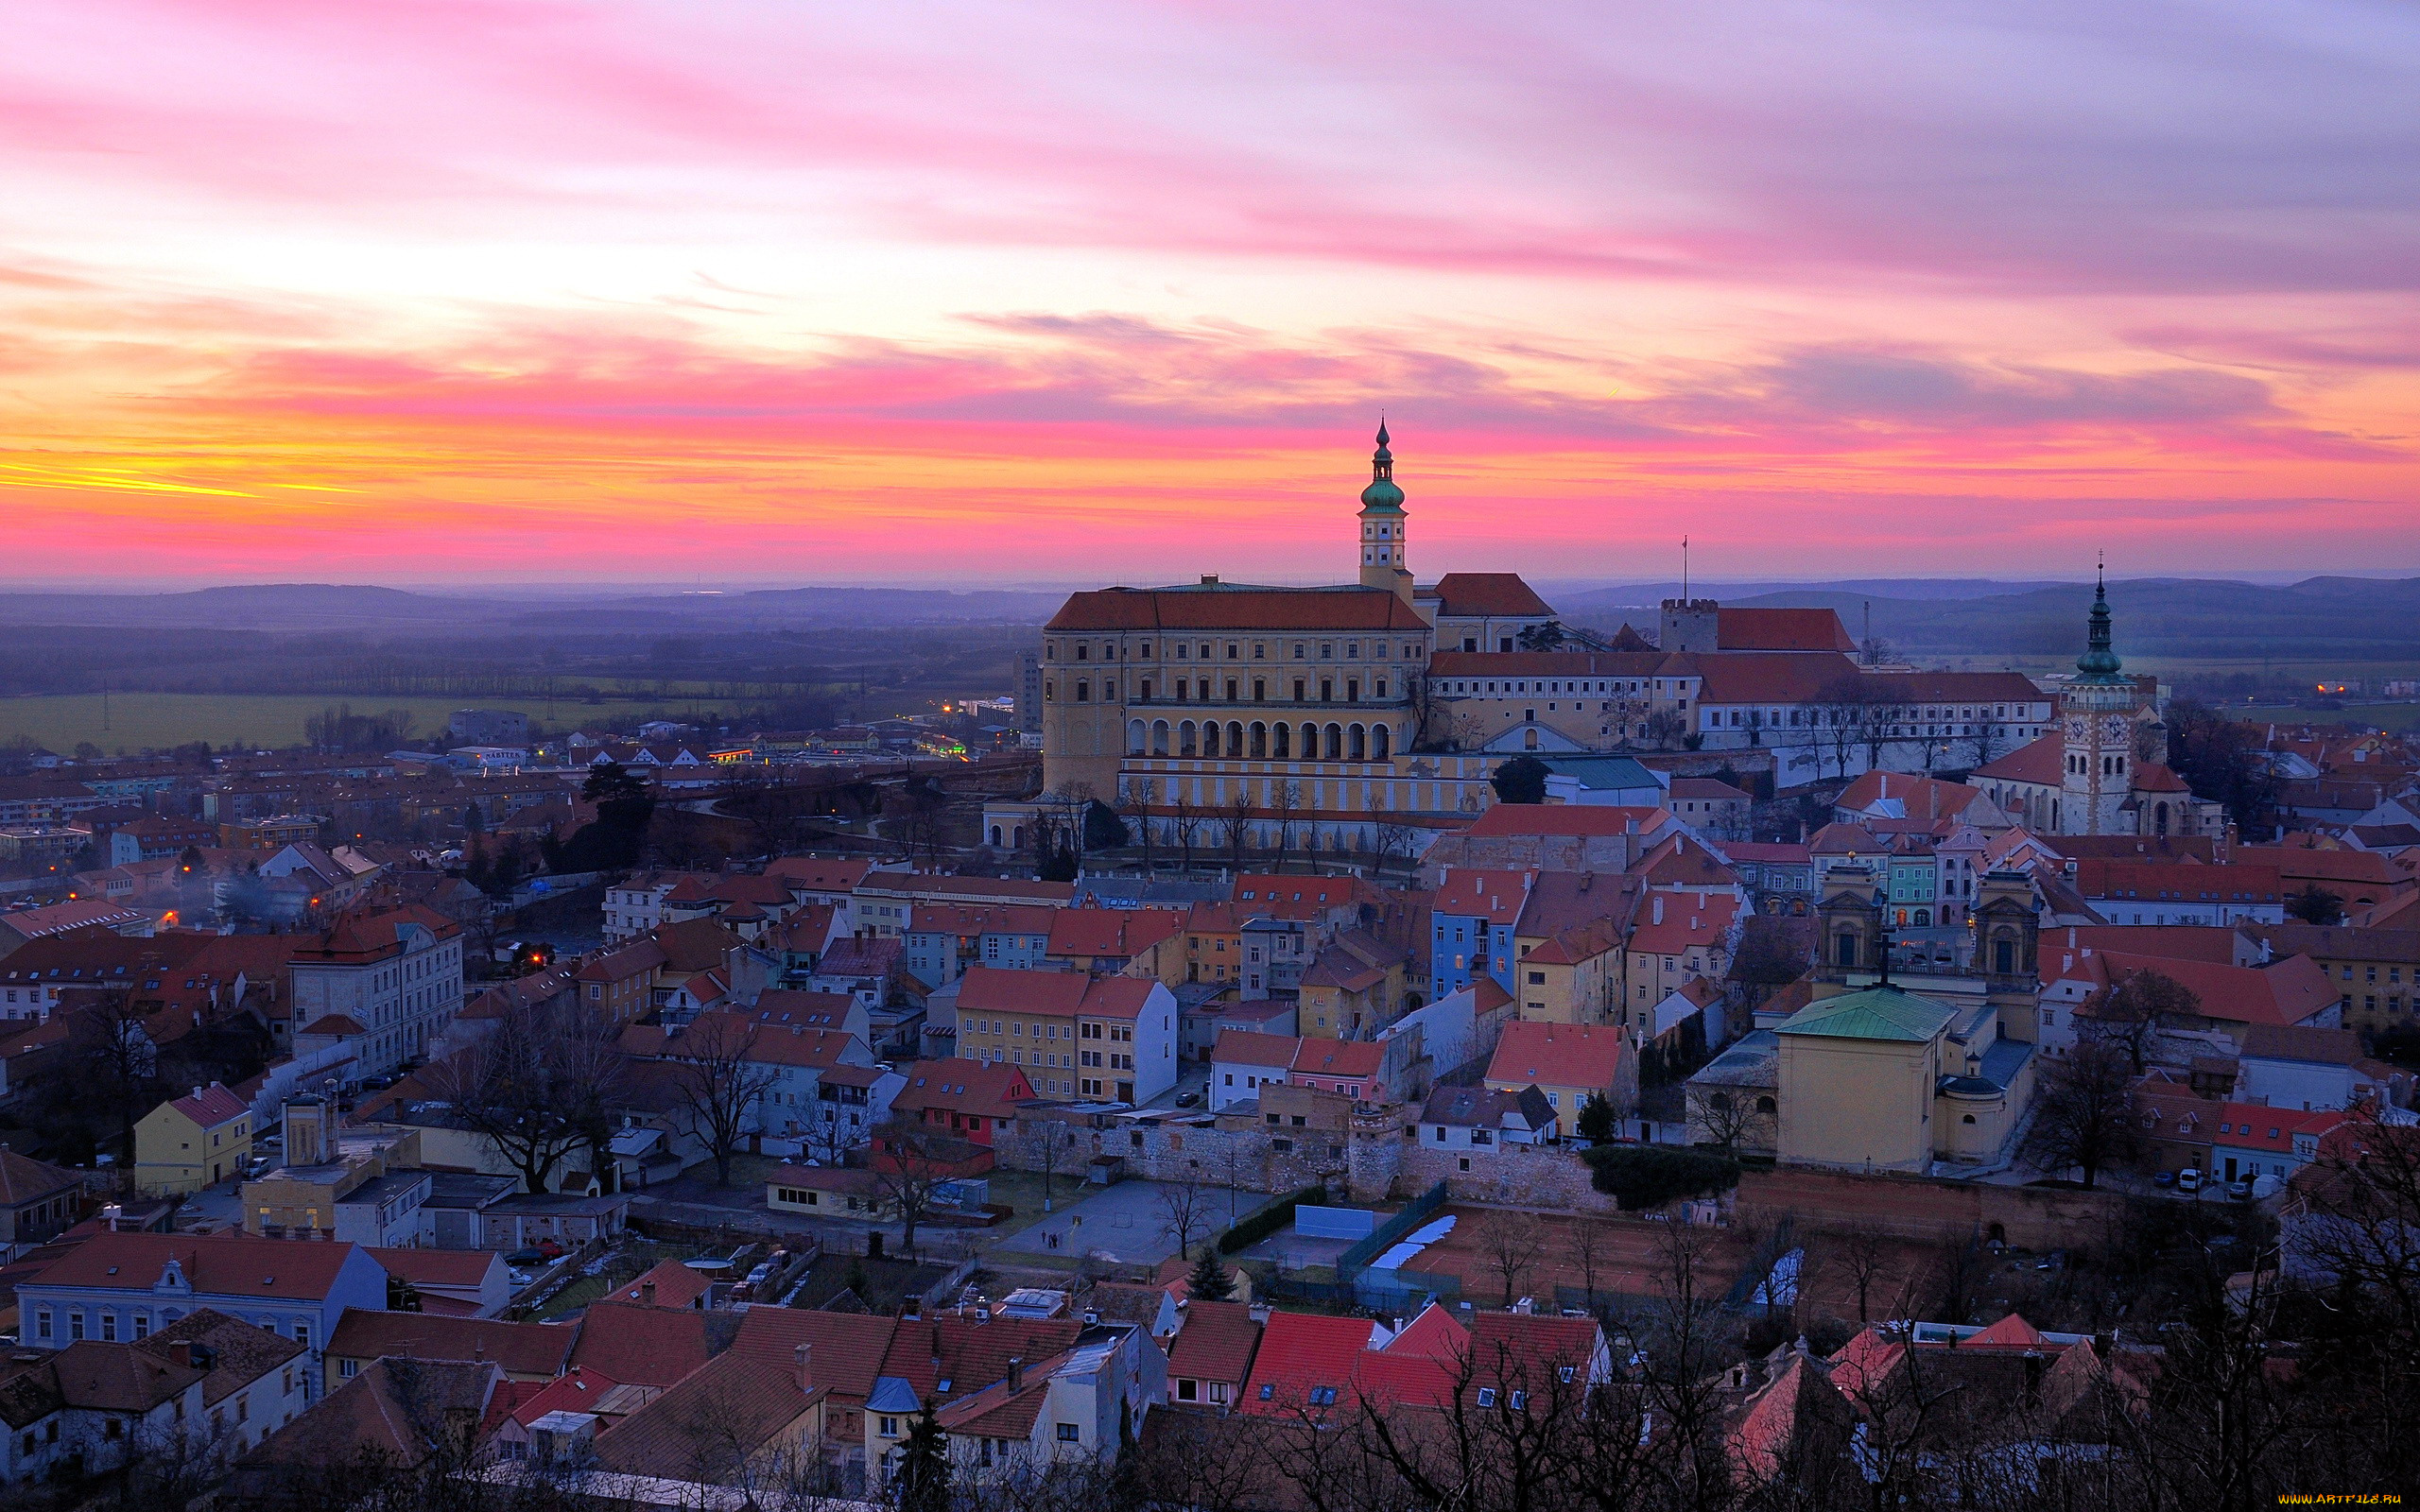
{"type": "Point", "coordinates": [507, 290]}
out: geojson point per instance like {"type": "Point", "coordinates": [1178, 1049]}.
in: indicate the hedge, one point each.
{"type": "Point", "coordinates": [1262, 1222]}
{"type": "Point", "coordinates": [1644, 1176]}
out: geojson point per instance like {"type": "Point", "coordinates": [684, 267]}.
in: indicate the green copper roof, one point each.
{"type": "Point", "coordinates": [1883, 1012]}
{"type": "Point", "coordinates": [2099, 663]}
{"type": "Point", "coordinates": [1382, 496]}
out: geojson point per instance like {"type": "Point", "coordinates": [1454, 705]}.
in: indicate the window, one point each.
{"type": "Point", "coordinates": [1268, 1391]}
{"type": "Point", "coordinates": [889, 1427]}
{"type": "Point", "coordinates": [1520, 1400]}
{"type": "Point", "coordinates": [1487, 1396]}
{"type": "Point", "coordinates": [1322, 1396]}
{"type": "Point", "coordinates": [1068, 1433]}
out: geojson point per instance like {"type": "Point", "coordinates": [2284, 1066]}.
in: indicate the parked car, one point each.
{"type": "Point", "coordinates": [522, 1258]}
{"type": "Point", "coordinates": [520, 1279]}
{"type": "Point", "coordinates": [2189, 1180]}
{"type": "Point", "coordinates": [2240, 1190]}
{"type": "Point", "coordinates": [1187, 1099]}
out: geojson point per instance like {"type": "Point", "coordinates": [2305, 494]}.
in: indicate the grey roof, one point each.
{"type": "Point", "coordinates": [1754, 1061]}
{"type": "Point", "coordinates": [2000, 1066]}
{"type": "Point", "coordinates": [1479, 1107]}
{"type": "Point", "coordinates": [892, 1394]}
{"type": "Point", "coordinates": [1602, 771]}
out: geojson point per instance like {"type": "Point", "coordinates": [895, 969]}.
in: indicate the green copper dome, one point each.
{"type": "Point", "coordinates": [2100, 663]}
{"type": "Point", "coordinates": [1382, 495]}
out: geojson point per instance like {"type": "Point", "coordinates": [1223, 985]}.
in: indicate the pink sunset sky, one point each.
{"type": "Point", "coordinates": [509, 290]}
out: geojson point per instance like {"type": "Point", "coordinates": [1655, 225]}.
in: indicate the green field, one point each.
{"type": "Point", "coordinates": [133, 722]}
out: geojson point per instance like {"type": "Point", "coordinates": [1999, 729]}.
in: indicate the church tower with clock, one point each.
{"type": "Point", "coordinates": [2100, 710]}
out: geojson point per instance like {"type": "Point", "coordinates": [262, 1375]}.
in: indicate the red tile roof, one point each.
{"type": "Point", "coordinates": [1056, 994]}
{"type": "Point", "coordinates": [970, 1352]}
{"type": "Point", "coordinates": [1687, 924]}
{"type": "Point", "coordinates": [644, 1346]}
{"type": "Point", "coordinates": [2039, 761]}
{"type": "Point", "coordinates": [1337, 1057]}
{"type": "Point", "coordinates": [819, 873]}
{"type": "Point", "coordinates": [211, 1105]}
{"type": "Point", "coordinates": [521, 1349]}
{"type": "Point", "coordinates": [439, 1268]}
{"type": "Point", "coordinates": [960, 1086]}
{"type": "Point", "coordinates": [1488, 595]}
{"type": "Point", "coordinates": [1301, 1353]}
{"type": "Point", "coordinates": [1119, 932]}
{"type": "Point", "coordinates": [224, 1264]}
{"type": "Point", "coordinates": [2288, 991]}
{"type": "Point", "coordinates": [579, 1391]}
{"type": "Point", "coordinates": [844, 1349]}
{"type": "Point", "coordinates": [1782, 629]}
{"type": "Point", "coordinates": [1216, 1343]}
{"type": "Point", "coordinates": [1271, 609]}
{"type": "Point", "coordinates": [1557, 1055]}
{"type": "Point", "coordinates": [1243, 1047]}
{"type": "Point", "coordinates": [676, 1285]}
{"type": "Point", "coordinates": [1471, 892]}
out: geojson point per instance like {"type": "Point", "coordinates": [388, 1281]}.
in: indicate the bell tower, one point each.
{"type": "Point", "coordinates": [1383, 524]}
{"type": "Point", "coordinates": [2097, 717]}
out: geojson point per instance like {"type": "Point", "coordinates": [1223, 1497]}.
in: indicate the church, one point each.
{"type": "Point", "coordinates": [2102, 770]}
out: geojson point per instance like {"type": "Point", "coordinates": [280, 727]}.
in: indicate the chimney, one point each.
{"type": "Point", "coordinates": [805, 1355]}
{"type": "Point", "coordinates": [647, 1293]}
{"type": "Point", "coordinates": [1016, 1372]}
{"type": "Point", "coordinates": [181, 1352]}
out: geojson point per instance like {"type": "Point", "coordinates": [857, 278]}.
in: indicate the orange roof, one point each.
{"type": "Point", "coordinates": [1119, 932]}
{"type": "Point", "coordinates": [1781, 629]}
{"type": "Point", "coordinates": [1336, 1057]}
{"type": "Point", "coordinates": [1488, 595]}
{"type": "Point", "coordinates": [1687, 925]}
{"type": "Point", "coordinates": [2036, 762]}
{"type": "Point", "coordinates": [2290, 991]}
{"type": "Point", "coordinates": [1557, 1055]}
{"type": "Point", "coordinates": [1056, 994]}
{"type": "Point", "coordinates": [1276, 611]}
{"type": "Point", "coordinates": [229, 1264]}
{"type": "Point", "coordinates": [1242, 1047]}
{"type": "Point", "coordinates": [1475, 892]}
{"type": "Point", "coordinates": [676, 1285]}
{"type": "Point", "coordinates": [819, 873]}
{"type": "Point", "coordinates": [646, 1346]}
{"type": "Point", "coordinates": [210, 1106]}
{"type": "Point", "coordinates": [1766, 678]}
{"type": "Point", "coordinates": [990, 1091]}
{"type": "Point", "coordinates": [1920, 797]}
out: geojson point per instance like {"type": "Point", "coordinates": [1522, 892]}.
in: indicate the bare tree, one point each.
{"type": "Point", "coordinates": [1510, 1244]}
{"type": "Point", "coordinates": [1392, 837]}
{"type": "Point", "coordinates": [536, 1089]}
{"type": "Point", "coordinates": [1863, 1256]}
{"type": "Point", "coordinates": [1185, 823]}
{"type": "Point", "coordinates": [1187, 1205]}
{"type": "Point", "coordinates": [908, 1168]}
{"type": "Point", "coordinates": [1238, 814]}
{"type": "Point", "coordinates": [1285, 798]}
{"type": "Point", "coordinates": [1588, 1246]}
{"type": "Point", "coordinates": [2133, 1013]}
{"type": "Point", "coordinates": [2084, 1115]}
{"type": "Point", "coordinates": [720, 1084]}
{"type": "Point", "coordinates": [1732, 1120]}
{"type": "Point", "coordinates": [1141, 796]}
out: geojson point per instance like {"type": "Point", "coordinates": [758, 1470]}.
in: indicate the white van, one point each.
{"type": "Point", "coordinates": [2189, 1180]}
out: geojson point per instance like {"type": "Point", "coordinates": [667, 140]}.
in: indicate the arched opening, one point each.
{"type": "Point", "coordinates": [1133, 737]}
{"type": "Point", "coordinates": [1184, 738]}
{"type": "Point", "coordinates": [1159, 737]}
{"type": "Point", "coordinates": [1016, 836]}
{"type": "Point", "coordinates": [2004, 953]}
{"type": "Point", "coordinates": [1310, 746]}
{"type": "Point", "coordinates": [1924, 918]}
{"type": "Point", "coordinates": [1284, 749]}
{"type": "Point", "coordinates": [2159, 818]}
{"type": "Point", "coordinates": [1767, 1106]}
{"type": "Point", "coordinates": [1210, 739]}
{"type": "Point", "coordinates": [1235, 738]}
{"type": "Point", "coordinates": [1259, 741]}
{"type": "Point", "coordinates": [1968, 1118]}
{"type": "Point", "coordinates": [1845, 948]}
{"type": "Point", "coordinates": [1379, 741]}
{"type": "Point", "coordinates": [1357, 743]}
{"type": "Point", "coordinates": [1335, 742]}
{"type": "Point", "coordinates": [1719, 1102]}
{"type": "Point", "coordinates": [996, 835]}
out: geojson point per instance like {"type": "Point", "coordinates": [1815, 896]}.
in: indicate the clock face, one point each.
{"type": "Point", "coordinates": [2114, 729]}
{"type": "Point", "coordinates": [2079, 730]}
